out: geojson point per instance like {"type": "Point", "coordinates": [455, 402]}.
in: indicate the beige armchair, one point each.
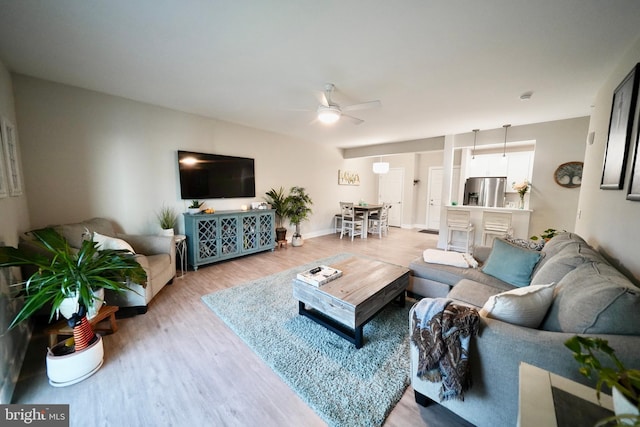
{"type": "Point", "coordinates": [156, 254]}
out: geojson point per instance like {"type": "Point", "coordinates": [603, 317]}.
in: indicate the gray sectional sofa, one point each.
{"type": "Point", "coordinates": [590, 297]}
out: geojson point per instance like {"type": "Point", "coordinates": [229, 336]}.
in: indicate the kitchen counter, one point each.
{"type": "Point", "coordinates": [519, 220]}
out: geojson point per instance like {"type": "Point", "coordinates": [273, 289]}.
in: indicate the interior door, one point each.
{"type": "Point", "coordinates": [390, 190]}
{"type": "Point", "coordinates": [434, 197]}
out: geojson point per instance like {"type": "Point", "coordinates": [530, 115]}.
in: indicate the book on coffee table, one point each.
{"type": "Point", "coordinates": [319, 275]}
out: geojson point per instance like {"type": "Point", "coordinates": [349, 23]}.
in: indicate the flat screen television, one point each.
{"type": "Point", "coordinates": [213, 176]}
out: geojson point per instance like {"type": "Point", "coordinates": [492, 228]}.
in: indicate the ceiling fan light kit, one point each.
{"type": "Point", "coordinates": [328, 114]}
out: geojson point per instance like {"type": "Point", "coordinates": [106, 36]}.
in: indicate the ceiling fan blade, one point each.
{"type": "Point", "coordinates": [354, 120]}
{"type": "Point", "coordinates": [322, 98]}
{"type": "Point", "coordinates": [362, 106]}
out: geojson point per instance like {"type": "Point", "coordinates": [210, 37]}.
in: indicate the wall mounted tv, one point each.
{"type": "Point", "coordinates": [212, 176]}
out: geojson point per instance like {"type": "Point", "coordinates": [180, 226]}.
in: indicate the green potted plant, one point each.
{"type": "Point", "coordinates": [624, 383]}
{"type": "Point", "coordinates": [298, 210]}
{"type": "Point", "coordinates": [547, 234]}
{"type": "Point", "coordinates": [194, 207]}
{"type": "Point", "coordinates": [64, 274]}
{"type": "Point", "coordinates": [280, 203]}
{"type": "Point", "coordinates": [167, 217]}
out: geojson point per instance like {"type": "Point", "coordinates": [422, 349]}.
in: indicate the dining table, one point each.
{"type": "Point", "coordinates": [366, 210]}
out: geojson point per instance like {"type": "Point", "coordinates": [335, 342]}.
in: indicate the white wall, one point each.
{"type": "Point", "coordinates": [89, 154]}
{"type": "Point", "coordinates": [607, 219]}
{"type": "Point", "coordinates": [13, 217]}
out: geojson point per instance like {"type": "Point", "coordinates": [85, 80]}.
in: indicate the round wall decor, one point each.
{"type": "Point", "coordinates": [569, 174]}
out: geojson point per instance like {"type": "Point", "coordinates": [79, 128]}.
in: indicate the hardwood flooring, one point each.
{"type": "Point", "coordinates": [179, 364]}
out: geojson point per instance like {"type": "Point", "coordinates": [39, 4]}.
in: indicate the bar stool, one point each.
{"type": "Point", "coordinates": [495, 224]}
{"type": "Point", "coordinates": [460, 220]}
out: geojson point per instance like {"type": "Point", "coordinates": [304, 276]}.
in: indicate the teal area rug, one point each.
{"type": "Point", "coordinates": [345, 386]}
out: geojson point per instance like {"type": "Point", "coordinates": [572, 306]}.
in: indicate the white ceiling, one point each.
{"type": "Point", "coordinates": [438, 67]}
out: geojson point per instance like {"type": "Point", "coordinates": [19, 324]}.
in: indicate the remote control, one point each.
{"type": "Point", "coordinates": [315, 270]}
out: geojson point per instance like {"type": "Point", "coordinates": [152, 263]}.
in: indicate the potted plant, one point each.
{"type": "Point", "coordinates": [547, 234]}
{"type": "Point", "coordinates": [278, 201]}
{"type": "Point", "coordinates": [298, 210]}
{"type": "Point", "coordinates": [62, 273]}
{"type": "Point", "coordinates": [624, 383]}
{"type": "Point", "coordinates": [167, 218]}
{"type": "Point", "coordinates": [194, 207]}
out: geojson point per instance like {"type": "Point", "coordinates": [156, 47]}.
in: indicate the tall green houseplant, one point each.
{"type": "Point", "coordinates": [299, 210]}
{"type": "Point", "coordinates": [280, 203]}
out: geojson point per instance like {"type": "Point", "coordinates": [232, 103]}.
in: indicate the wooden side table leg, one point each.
{"type": "Point", "coordinates": [52, 339]}
{"type": "Point", "coordinates": [112, 321]}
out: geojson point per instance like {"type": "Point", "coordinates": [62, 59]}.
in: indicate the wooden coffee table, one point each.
{"type": "Point", "coordinates": [346, 304]}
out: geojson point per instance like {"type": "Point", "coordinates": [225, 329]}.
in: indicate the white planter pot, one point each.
{"type": "Point", "coordinates": [74, 367]}
{"type": "Point", "coordinates": [297, 241]}
{"type": "Point", "coordinates": [193, 211]}
{"type": "Point", "coordinates": [70, 305]}
{"type": "Point", "coordinates": [622, 405]}
{"type": "Point", "coordinates": [167, 232]}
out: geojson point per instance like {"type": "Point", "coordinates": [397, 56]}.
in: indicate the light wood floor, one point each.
{"type": "Point", "coordinates": [179, 364]}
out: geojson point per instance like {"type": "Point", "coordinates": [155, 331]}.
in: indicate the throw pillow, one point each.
{"type": "Point", "coordinates": [535, 245]}
{"type": "Point", "coordinates": [106, 242]}
{"type": "Point", "coordinates": [510, 263]}
{"type": "Point", "coordinates": [525, 306]}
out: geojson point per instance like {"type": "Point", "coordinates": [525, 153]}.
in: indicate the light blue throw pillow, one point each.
{"type": "Point", "coordinates": [511, 263]}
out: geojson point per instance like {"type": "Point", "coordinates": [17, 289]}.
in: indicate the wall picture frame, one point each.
{"type": "Point", "coordinates": [346, 177]}
{"type": "Point", "coordinates": [12, 160]}
{"type": "Point", "coordinates": [620, 131]}
{"type": "Point", "coordinates": [633, 193]}
{"type": "Point", "coordinates": [4, 190]}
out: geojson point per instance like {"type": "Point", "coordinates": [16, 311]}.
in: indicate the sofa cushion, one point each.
{"type": "Point", "coordinates": [569, 257]}
{"type": "Point", "coordinates": [450, 275]}
{"type": "Point", "coordinates": [524, 306]}
{"type": "Point", "coordinates": [511, 263]}
{"type": "Point", "coordinates": [76, 233]}
{"type": "Point", "coordinates": [555, 245]}
{"type": "Point", "coordinates": [475, 293]}
{"type": "Point", "coordinates": [595, 298]}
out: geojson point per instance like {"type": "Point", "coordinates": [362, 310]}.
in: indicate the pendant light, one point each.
{"type": "Point", "coordinates": [475, 135]}
{"type": "Point", "coordinates": [504, 148]}
{"type": "Point", "coordinates": [380, 167]}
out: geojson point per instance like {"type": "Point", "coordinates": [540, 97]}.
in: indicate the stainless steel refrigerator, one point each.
{"type": "Point", "coordinates": [485, 191]}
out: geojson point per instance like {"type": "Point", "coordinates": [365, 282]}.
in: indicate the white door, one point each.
{"type": "Point", "coordinates": [390, 187]}
{"type": "Point", "coordinates": [434, 198]}
{"type": "Point", "coordinates": [434, 195]}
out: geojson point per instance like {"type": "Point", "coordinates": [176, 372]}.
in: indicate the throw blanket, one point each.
{"type": "Point", "coordinates": [455, 259]}
{"type": "Point", "coordinates": [442, 332]}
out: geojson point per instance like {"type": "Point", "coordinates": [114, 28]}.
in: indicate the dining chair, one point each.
{"type": "Point", "coordinates": [460, 220]}
{"type": "Point", "coordinates": [351, 223]}
{"type": "Point", "coordinates": [379, 223]}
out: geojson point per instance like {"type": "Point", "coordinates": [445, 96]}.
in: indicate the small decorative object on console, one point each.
{"type": "Point", "coordinates": [319, 275]}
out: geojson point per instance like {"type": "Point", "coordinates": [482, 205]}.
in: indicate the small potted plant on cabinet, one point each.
{"type": "Point", "coordinates": [194, 207]}
{"type": "Point", "coordinates": [64, 274]}
{"type": "Point", "coordinates": [298, 210]}
{"type": "Point", "coordinates": [280, 203]}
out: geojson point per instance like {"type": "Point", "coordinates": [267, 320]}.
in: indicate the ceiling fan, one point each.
{"type": "Point", "coordinates": [329, 111]}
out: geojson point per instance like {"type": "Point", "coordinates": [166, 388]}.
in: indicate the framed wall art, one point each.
{"type": "Point", "coordinates": [634, 185]}
{"type": "Point", "coordinates": [348, 178]}
{"type": "Point", "coordinates": [3, 174]}
{"type": "Point", "coordinates": [620, 130]}
{"type": "Point", "coordinates": [10, 143]}
{"type": "Point", "coordinates": [569, 175]}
